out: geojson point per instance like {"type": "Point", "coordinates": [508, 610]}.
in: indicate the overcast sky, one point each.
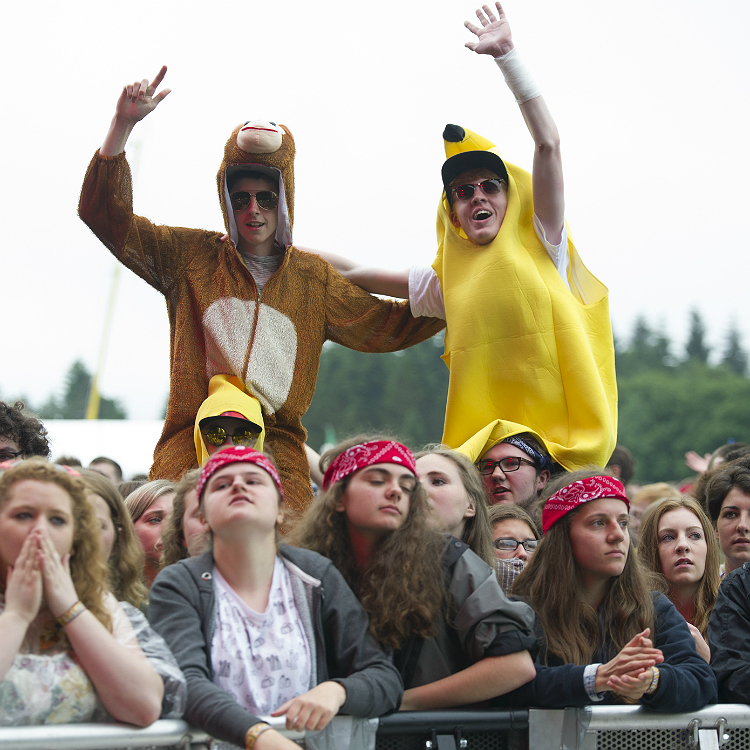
{"type": "Point", "coordinates": [651, 100]}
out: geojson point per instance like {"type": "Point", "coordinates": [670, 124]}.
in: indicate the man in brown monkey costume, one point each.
{"type": "Point", "coordinates": [254, 307]}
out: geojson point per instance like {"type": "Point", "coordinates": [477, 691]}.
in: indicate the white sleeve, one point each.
{"type": "Point", "coordinates": [425, 294]}
{"type": "Point", "coordinates": [558, 254]}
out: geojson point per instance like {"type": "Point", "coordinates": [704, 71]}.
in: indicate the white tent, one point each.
{"type": "Point", "coordinates": [130, 442]}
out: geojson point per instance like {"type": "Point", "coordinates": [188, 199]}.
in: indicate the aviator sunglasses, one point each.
{"type": "Point", "coordinates": [488, 187]}
{"type": "Point", "coordinates": [266, 199]}
{"type": "Point", "coordinates": [217, 435]}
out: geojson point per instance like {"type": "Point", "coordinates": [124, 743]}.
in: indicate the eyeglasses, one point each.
{"type": "Point", "coordinates": [507, 464]}
{"type": "Point", "coordinates": [488, 187]}
{"type": "Point", "coordinates": [217, 435]}
{"type": "Point", "coordinates": [9, 455]}
{"type": "Point", "coordinates": [511, 545]}
{"type": "Point", "coordinates": [266, 199]}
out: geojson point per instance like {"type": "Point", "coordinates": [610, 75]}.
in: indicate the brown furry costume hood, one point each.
{"type": "Point", "coordinates": [261, 146]}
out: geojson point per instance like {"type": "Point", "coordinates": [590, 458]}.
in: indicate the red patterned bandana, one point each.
{"type": "Point", "coordinates": [236, 454]}
{"type": "Point", "coordinates": [577, 493]}
{"type": "Point", "coordinates": [367, 454]}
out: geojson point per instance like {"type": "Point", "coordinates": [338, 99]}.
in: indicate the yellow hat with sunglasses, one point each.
{"type": "Point", "coordinates": [217, 423]}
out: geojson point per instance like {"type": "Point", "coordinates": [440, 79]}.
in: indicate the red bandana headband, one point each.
{"type": "Point", "coordinates": [234, 455]}
{"type": "Point", "coordinates": [579, 492]}
{"type": "Point", "coordinates": [367, 454]}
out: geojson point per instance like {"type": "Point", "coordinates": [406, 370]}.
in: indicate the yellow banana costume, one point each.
{"type": "Point", "coordinates": [524, 352]}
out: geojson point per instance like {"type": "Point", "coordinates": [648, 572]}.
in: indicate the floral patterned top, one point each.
{"type": "Point", "coordinates": [45, 684]}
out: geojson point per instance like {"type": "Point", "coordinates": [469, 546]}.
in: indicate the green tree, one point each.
{"type": "Point", "coordinates": [72, 404]}
{"type": "Point", "coordinates": [696, 347]}
{"type": "Point", "coordinates": [402, 393]}
{"type": "Point", "coordinates": [647, 350]}
{"type": "Point", "coordinates": [734, 356]}
{"type": "Point", "coordinates": [664, 414]}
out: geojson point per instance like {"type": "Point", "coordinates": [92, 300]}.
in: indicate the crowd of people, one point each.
{"type": "Point", "coordinates": [407, 584]}
{"type": "Point", "coordinates": [513, 564]}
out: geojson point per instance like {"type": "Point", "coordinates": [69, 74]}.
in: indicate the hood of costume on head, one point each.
{"type": "Point", "coordinates": [495, 432]}
{"type": "Point", "coordinates": [260, 146]}
{"type": "Point", "coordinates": [226, 393]}
{"type": "Point", "coordinates": [464, 151]}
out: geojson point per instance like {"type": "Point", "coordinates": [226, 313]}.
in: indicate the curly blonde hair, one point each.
{"type": "Point", "coordinates": [125, 562]}
{"type": "Point", "coordinates": [87, 569]}
{"type": "Point", "coordinates": [401, 586]}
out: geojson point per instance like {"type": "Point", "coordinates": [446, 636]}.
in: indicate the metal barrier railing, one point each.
{"type": "Point", "coordinates": [725, 726]}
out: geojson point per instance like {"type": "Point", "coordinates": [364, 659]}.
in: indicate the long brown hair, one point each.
{"type": "Point", "coordinates": [477, 531]}
{"type": "Point", "coordinates": [401, 587]}
{"type": "Point", "coordinates": [173, 537]}
{"type": "Point", "coordinates": [552, 584]}
{"type": "Point", "coordinates": [126, 559]}
{"type": "Point", "coordinates": [648, 552]}
{"type": "Point", "coordinates": [87, 569]}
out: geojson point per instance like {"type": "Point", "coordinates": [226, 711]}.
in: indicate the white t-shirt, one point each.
{"type": "Point", "coordinates": [262, 659]}
{"type": "Point", "coordinates": [426, 296]}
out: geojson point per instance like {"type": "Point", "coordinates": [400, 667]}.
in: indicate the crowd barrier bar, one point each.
{"type": "Point", "coordinates": [615, 727]}
{"type": "Point", "coordinates": [632, 728]}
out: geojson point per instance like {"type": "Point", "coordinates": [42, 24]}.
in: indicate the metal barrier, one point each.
{"type": "Point", "coordinates": [725, 726]}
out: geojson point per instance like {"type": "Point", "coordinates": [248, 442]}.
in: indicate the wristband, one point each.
{"type": "Point", "coordinates": [651, 689]}
{"type": "Point", "coordinates": [517, 76]}
{"type": "Point", "coordinates": [71, 613]}
{"type": "Point", "coordinates": [254, 732]}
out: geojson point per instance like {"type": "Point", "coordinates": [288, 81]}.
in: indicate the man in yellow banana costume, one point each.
{"type": "Point", "coordinates": [529, 341]}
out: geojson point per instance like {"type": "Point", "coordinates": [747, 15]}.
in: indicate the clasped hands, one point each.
{"type": "Point", "coordinates": [630, 673]}
{"type": "Point", "coordinates": [38, 570]}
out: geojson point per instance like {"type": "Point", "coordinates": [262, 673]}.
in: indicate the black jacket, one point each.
{"type": "Point", "coordinates": [729, 637]}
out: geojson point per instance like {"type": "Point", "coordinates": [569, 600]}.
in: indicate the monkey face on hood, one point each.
{"type": "Point", "coordinates": [260, 146]}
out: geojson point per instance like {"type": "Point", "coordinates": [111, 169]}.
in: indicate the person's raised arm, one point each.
{"type": "Point", "coordinates": [135, 102]}
{"type": "Point", "coordinates": [371, 279]}
{"type": "Point", "coordinates": [494, 38]}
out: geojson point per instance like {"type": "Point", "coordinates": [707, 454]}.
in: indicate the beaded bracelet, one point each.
{"type": "Point", "coordinates": [254, 732]}
{"type": "Point", "coordinates": [71, 613]}
{"type": "Point", "coordinates": [651, 689]}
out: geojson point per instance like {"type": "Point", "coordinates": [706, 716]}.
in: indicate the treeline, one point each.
{"type": "Point", "coordinates": [669, 402]}
{"type": "Point", "coordinates": [74, 399]}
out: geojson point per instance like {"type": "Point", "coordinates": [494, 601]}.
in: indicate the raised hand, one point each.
{"type": "Point", "coordinates": [494, 37]}
{"type": "Point", "coordinates": [140, 98]}
{"type": "Point", "coordinates": [23, 586]}
{"type": "Point", "coordinates": [59, 591]}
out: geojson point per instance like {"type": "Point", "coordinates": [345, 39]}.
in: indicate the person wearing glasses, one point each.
{"type": "Point", "coordinates": [529, 339]}
{"type": "Point", "coordinates": [22, 435]}
{"type": "Point", "coordinates": [515, 538]}
{"type": "Point", "coordinates": [514, 470]}
{"type": "Point", "coordinates": [229, 416]}
{"type": "Point", "coordinates": [254, 307]}
{"type": "Point", "coordinates": [457, 639]}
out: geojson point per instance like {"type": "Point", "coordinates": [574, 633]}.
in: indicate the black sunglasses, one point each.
{"type": "Point", "coordinates": [266, 199]}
